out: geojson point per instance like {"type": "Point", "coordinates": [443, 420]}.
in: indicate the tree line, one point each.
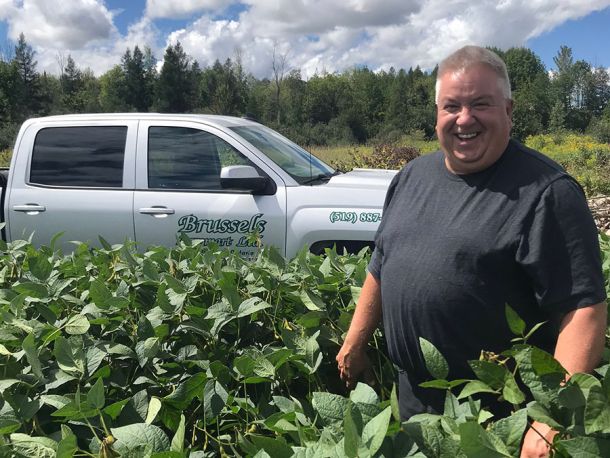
{"type": "Point", "coordinates": [355, 106]}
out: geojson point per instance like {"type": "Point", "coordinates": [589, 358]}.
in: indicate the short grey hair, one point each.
{"type": "Point", "coordinates": [468, 56]}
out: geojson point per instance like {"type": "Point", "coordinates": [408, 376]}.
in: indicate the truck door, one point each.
{"type": "Point", "coordinates": [75, 179]}
{"type": "Point", "coordinates": [179, 192]}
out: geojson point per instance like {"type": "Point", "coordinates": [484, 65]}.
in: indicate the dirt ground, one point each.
{"type": "Point", "coordinates": [600, 208]}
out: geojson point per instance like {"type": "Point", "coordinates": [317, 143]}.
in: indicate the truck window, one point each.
{"type": "Point", "coordinates": [87, 156]}
{"type": "Point", "coordinates": [184, 158]}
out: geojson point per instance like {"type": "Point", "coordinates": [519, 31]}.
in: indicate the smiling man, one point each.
{"type": "Point", "coordinates": [482, 223]}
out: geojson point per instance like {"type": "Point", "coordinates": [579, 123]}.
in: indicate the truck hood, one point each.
{"type": "Point", "coordinates": [363, 178]}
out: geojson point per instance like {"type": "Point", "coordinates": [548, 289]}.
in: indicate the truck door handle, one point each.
{"type": "Point", "coordinates": [157, 211]}
{"type": "Point", "coordinates": [33, 208]}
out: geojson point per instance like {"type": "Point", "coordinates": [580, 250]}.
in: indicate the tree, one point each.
{"type": "Point", "coordinates": [111, 90]}
{"type": "Point", "coordinates": [28, 77]}
{"type": "Point", "coordinates": [278, 66]}
{"type": "Point", "coordinates": [137, 90]}
{"type": "Point", "coordinates": [71, 84]}
{"type": "Point", "coordinates": [176, 85]}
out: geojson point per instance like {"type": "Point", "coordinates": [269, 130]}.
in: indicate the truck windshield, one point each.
{"type": "Point", "coordinates": [294, 160]}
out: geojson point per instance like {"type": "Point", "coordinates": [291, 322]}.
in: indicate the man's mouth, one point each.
{"type": "Point", "coordinates": [468, 136]}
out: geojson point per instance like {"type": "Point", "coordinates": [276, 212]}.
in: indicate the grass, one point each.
{"type": "Point", "coordinates": [5, 157]}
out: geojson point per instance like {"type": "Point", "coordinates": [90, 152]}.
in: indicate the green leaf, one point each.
{"type": "Point", "coordinates": [515, 323]}
{"type": "Point", "coordinates": [154, 406]}
{"type": "Point", "coordinates": [435, 362]}
{"type": "Point", "coordinates": [597, 412]}
{"type": "Point", "coordinates": [364, 394]}
{"type": "Point", "coordinates": [69, 356]}
{"type": "Point", "coordinates": [478, 443]}
{"type": "Point", "coordinates": [330, 406]}
{"type": "Point", "coordinates": [77, 324]}
{"type": "Point", "coordinates": [31, 354]}
{"type": "Point", "coordinates": [178, 439]}
{"type": "Point", "coordinates": [34, 290]}
{"type": "Point", "coordinates": [375, 430]}
{"type": "Point", "coordinates": [67, 446]}
{"type": "Point", "coordinates": [539, 413]}
{"type": "Point", "coordinates": [214, 399]}
{"type": "Point", "coordinates": [96, 396]}
{"type": "Point", "coordinates": [311, 300]}
{"type": "Point", "coordinates": [9, 422]}
{"type": "Point", "coordinates": [474, 387]}
{"type": "Point", "coordinates": [250, 306]}
{"type": "Point", "coordinates": [40, 267]}
{"type": "Point", "coordinates": [511, 391]}
{"type": "Point", "coordinates": [140, 434]}
{"type": "Point", "coordinates": [394, 403]}
{"type": "Point", "coordinates": [33, 446]}
{"type": "Point", "coordinates": [352, 427]}
{"type": "Point", "coordinates": [275, 447]}
{"type": "Point", "coordinates": [586, 447]}
{"type": "Point", "coordinates": [511, 429]}
{"type": "Point", "coordinates": [185, 392]}
{"type": "Point", "coordinates": [146, 350]}
{"type": "Point", "coordinates": [490, 373]}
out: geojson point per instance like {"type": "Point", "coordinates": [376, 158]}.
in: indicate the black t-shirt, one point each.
{"type": "Point", "coordinates": [452, 250]}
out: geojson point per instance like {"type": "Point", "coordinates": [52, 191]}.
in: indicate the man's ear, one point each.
{"type": "Point", "coordinates": [509, 108]}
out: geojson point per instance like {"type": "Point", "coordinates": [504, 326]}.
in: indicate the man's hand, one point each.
{"type": "Point", "coordinates": [536, 441]}
{"type": "Point", "coordinates": [351, 359]}
{"type": "Point", "coordinates": [354, 365]}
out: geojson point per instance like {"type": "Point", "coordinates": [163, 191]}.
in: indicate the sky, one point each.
{"type": "Point", "coordinates": [315, 36]}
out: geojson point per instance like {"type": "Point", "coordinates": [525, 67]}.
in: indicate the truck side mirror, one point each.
{"type": "Point", "coordinates": [242, 177]}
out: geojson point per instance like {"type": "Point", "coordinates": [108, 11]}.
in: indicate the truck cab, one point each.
{"type": "Point", "coordinates": [151, 177]}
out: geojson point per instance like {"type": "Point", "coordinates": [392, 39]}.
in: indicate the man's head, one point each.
{"type": "Point", "coordinates": [474, 109]}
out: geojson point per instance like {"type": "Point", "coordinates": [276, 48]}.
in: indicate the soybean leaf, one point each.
{"type": "Point", "coordinates": [146, 350]}
{"type": "Point", "coordinates": [510, 430]}
{"type": "Point", "coordinates": [77, 324]}
{"type": "Point", "coordinates": [40, 267]}
{"type": "Point", "coordinates": [474, 387]}
{"type": "Point", "coordinates": [275, 447]}
{"type": "Point", "coordinates": [435, 361]}
{"type": "Point", "coordinates": [312, 301]}
{"type": "Point", "coordinates": [597, 412]}
{"type": "Point", "coordinates": [140, 434]}
{"type": "Point", "coordinates": [250, 306]}
{"type": "Point", "coordinates": [35, 290]}
{"type": "Point", "coordinates": [364, 394]}
{"type": "Point", "coordinates": [177, 444]}
{"type": "Point", "coordinates": [515, 323]}
{"type": "Point", "coordinates": [479, 443]}
{"type": "Point", "coordinates": [490, 373]}
{"type": "Point", "coordinates": [375, 430]}
{"type": "Point", "coordinates": [31, 354]}
{"type": "Point", "coordinates": [352, 427]}
{"type": "Point", "coordinates": [67, 446]}
{"type": "Point", "coordinates": [214, 399]}
{"type": "Point", "coordinates": [154, 406]}
{"type": "Point", "coordinates": [586, 447]}
{"type": "Point", "coordinates": [96, 396]}
{"type": "Point", "coordinates": [33, 446]}
{"type": "Point", "coordinates": [69, 355]}
{"type": "Point", "coordinates": [330, 406]}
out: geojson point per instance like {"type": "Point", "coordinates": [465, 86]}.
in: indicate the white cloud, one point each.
{"type": "Point", "coordinates": [183, 8]}
{"type": "Point", "coordinates": [71, 24]}
{"type": "Point", "coordinates": [316, 35]}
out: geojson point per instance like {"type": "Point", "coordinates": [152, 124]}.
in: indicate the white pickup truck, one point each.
{"type": "Point", "coordinates": [151, 177]}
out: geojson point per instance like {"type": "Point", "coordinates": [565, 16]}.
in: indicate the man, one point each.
{"type": "Point", "coordinates": [465, 231]}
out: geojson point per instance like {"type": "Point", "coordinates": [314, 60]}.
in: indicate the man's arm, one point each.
{"type": "Point", "coordinates": [579, 348]}
{"type": "Point", "coordinates": [351, 359]}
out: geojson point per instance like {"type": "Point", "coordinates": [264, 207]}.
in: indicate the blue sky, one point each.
{"type": "Point", "coordinates": [313, 35]}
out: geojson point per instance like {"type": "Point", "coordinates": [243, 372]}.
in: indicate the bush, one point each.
{"type": "Point", "coordinates": [583, 157]}
{"type": "Point", "coordinates": [385, 156]}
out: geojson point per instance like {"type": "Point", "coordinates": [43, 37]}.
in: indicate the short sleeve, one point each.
{"type": "Point", "coordinates": [559, 249]}
{"type": "Point", "coordinates": [374, 266]}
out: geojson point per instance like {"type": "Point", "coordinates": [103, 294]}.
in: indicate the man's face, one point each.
{"type": "Point", "coordinates": [473, 119]}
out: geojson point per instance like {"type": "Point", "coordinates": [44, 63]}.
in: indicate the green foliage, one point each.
{"type": "Point", "coordinates": [193, 351]}
{"type": "Point", "coordinates": [384, 156]}
{"type": "Point", "coordinates": [582, 156]}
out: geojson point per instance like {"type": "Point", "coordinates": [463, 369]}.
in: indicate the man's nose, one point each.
{"type": "Point", "coordinates": [465, 115]}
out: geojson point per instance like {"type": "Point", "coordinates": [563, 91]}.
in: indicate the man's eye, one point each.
{"type": "Point", "coordinates": [481, 105]}
{"type": "Point", "coordinates": [452, 108]}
